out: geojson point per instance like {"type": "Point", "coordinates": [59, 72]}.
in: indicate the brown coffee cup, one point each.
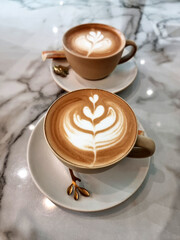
{"type": "Point", "coordinates": [91, 130]}
{"type": "Point", "coordinates": [104, 57]}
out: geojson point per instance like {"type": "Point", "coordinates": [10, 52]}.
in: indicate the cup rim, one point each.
{"type": "Point", "coordinates": [90, 167]}
{"type": "Point", "coordinates": [103, 25]}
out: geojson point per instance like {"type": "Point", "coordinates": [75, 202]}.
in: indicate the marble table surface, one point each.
{"type": "Point", "coordinates": [27, 90]}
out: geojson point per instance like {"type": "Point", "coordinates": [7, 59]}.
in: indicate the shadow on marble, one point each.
{"type": "Point", "coordinates": [131, 90]}
{"type": "Point", "coordinates": [172, 224]}
{"type": "Point", "coordinates": [13, 233]}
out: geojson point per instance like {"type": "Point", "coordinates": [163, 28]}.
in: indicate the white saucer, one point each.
{"type": "Point", "coordinates": [107, 189]}
{"type": "Point", "coordinates": [123, 75]}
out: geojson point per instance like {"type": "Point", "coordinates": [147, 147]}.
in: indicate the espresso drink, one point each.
{"type": "Point", "coordinates": [91, 128]}
{"type": "Point", "coordinates": [94, 40]}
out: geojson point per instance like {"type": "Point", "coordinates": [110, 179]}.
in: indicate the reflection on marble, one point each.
{"type": "Point", "coordinates": [27, 90]}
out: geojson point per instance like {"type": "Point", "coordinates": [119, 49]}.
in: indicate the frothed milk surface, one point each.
{"type": "Point", "coordinates": [91, 127]}
{"type": "Point", "coordinates": [93, 41]}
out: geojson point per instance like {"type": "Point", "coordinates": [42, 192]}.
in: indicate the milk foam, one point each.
{"type": "Point", "coordinates": [90, 128]}
{"type": "Point", "coordinates": [88, 135]}
{"type": "Point", "coordinates": [93, 42]}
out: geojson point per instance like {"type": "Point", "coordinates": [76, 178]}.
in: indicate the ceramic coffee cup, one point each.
{"type": "Point", "coordinates": [91, 130]}
{"type": "Point", "coordinates": [93, 50]}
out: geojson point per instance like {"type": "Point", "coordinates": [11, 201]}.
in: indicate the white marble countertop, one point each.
{"type": "Point", "coordinates": [27, 90]}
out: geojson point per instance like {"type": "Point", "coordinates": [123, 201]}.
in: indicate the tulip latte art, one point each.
{"type": "Point", "coordinates": [90, 127]}
{"type": "Point", "coordinates": [93, 41]}
{"type": "Point", "coordinates": [87, 133]}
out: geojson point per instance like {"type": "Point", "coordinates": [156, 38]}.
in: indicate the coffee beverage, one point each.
{"type": "Point", "coordinates": [94, 50]}
{"type": "Point", "coordinates": [91, 128]}
{"type": "Point", "coordinates": [93, 40]}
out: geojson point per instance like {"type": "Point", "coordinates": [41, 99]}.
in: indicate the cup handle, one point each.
{"type": "Point", "coordinates": [131, 53]}
{"type": "Point", "coordinates": [144, 147]}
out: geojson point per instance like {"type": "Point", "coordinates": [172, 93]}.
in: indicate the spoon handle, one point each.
{"type": "Point", "coordinates": [53, 54]}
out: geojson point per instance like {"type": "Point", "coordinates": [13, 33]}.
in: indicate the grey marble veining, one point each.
{"type": "Point", "coordinates": [27, 90]}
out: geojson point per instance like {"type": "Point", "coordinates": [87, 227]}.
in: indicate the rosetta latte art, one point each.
{"type": "Point", "coordinates": [93, 42]}
{"type": "Point", "coordinates": [87, 133]}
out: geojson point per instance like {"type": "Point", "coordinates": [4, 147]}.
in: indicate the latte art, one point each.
{"type": "Point", "coordinates": [90, 128]}
{"type": "Point", "coordinates": [93, 42]}
{"type": "Point", "coordinates": [87, 135]}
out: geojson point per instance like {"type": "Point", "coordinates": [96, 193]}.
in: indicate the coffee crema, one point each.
{"type": "Point", "coordinates": [93, 40]}
{"type": "Point", "coordinates": [90, 128]}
